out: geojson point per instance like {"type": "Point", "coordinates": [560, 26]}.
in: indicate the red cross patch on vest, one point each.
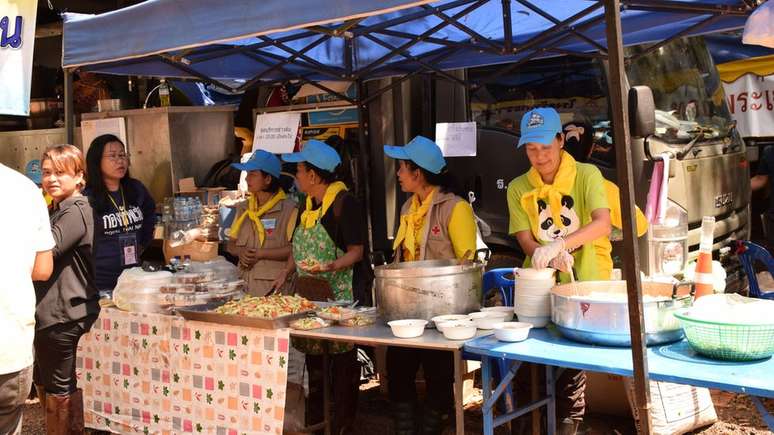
{"type": "Point", "coordinates": [436, 230]}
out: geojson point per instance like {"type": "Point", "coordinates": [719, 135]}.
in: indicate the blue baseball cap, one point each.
{"type": "Point", "coordinates": [317, 153]}
{"type": "Point", "coordinates": [261, 161]}
{"type": "Point", "coordinates": [422, 151]}
{"type": "Point", "coordinates": [540, 126]}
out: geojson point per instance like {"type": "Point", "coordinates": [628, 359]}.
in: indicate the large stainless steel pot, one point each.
{"type": "Point", "coordinates": [584, 317]}
{"type": "Point", "coordinates": [425, 289]}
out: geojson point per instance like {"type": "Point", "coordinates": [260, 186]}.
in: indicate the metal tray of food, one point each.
{"type": "Point", "coordinates": [204, 313]}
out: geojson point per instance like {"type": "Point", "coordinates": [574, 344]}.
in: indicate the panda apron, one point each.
{"type": "Point", "coordinates": [557, 210]}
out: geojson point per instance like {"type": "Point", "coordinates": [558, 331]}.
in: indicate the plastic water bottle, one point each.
{"type": "Point", "coordinates": [703, 276]}
{"type": "Point", "coordinates": [164, 93]}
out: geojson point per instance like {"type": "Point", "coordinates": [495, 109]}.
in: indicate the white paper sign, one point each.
{"type": "Point", "coordinates": [456, 139]}
{"type": "Point", "coordinates": [243, 175]}
{"type": "Point", "coordinates": [751, 102]}
{"type": "Point", "coordinates": [17, 43]}
{"type": "Point", "coordinates": [92, 129]}
{"type": "Point", "coordinates": [276, 132]}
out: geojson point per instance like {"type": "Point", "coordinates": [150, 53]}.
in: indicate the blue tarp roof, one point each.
{"type": "Point", "coordinates": [236, 41]}
{"type": "Point", "coordinates": [729, 48]}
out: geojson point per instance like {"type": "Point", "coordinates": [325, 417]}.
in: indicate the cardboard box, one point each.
{"type": "Point", "coordinates": [606, 394]}
{"type": "Point", "coordinates": [198, 251]}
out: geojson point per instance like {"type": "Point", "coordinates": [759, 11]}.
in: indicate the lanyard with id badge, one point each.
{"type": "Point", "coordinates": [127, 241]}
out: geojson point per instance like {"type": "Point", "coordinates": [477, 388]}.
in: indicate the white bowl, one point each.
{"type": "Point", "coordinates": [534, 285]}
{"type": "Point", "coordinates": [530, 310]}
{"type": "Point", "coordinates": [408, 328]}
{"type": "Point", "coordinates": [507, 312]}
{"type": "Point", "coordinates": [533, 274]}
{"type": "Point", "coordinates": [437, 320]}
{"type": "Point", "coordinates": [512, 331]}
{"type": "Point", "coordinates": [459, 330]}
{"type": "Point", "coordinates": [487, 319]}
{"type": "Point", "coordinates": [536, 321]}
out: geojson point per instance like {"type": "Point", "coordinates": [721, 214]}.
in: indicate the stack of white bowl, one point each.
{"type": "Point", "coordinates": [532, 295]}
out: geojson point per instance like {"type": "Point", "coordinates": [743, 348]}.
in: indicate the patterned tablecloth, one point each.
{"type": "Point", "coordinates": [150, 373]}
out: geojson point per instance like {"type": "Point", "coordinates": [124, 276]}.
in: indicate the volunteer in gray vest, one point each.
{"type": "Point", "coordinates": [435, 224]}
{"type": "Point", "coordinates": [261, 233]}
{"type": "Point", "coordinates": [68, 303]}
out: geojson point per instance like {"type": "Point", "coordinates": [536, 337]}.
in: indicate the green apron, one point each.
{"type": "Point", "coordinates": [315, 244]}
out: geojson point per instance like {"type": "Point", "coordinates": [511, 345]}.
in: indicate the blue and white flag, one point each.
{"type": "Point", "coordinates": [17, 43]}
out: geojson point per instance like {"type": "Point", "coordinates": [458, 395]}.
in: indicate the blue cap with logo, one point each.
{"type": "Point", "coordinates": [317, 153]}
{"type": "Point", "coordinates": [261, 161]}
{"type": "Point", "coordinates": [540, 126]}
{"type": "Point", "coordinates": [422, 151]}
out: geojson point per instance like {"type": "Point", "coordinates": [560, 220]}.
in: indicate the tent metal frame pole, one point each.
{"type": "Point", "coordinates": [570, 29]}
{"type": "Point", "coordinates": [475, 36]}
{"type": "Point", "coordinates": [678, 6]}
{"type": "Point", "coordinates": [621, 137]}
{"type": "Point", "coordinates": [416, 60]}
{"type": "Point", "coordinates": [362, 132]}
{"type": "Point", "coordinates": [507, 27]}
{"type": "Point", "coordinates": [216, 52]}
{"type": "Point", "coordinates": [677, 35]}
{"type": "Point", "coordinates": [537, 39]}
{"type": "Point", "coordinates": [188, 70]}
{"type": "Point", "coordinates": [333, 74]}
{"type": "Point", "coordinates": [409, 17]}
{"type": "Point", "coordinates": [302, 56]}
{"type": "Point", "coordinates": [69, 109]}
{"type": "Point", "coordinates": [373, 65]}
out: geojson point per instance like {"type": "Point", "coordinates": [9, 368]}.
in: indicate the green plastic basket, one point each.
{"type": "Point", "coordinates": [728, 341]}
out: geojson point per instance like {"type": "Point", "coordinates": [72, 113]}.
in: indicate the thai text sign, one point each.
{"type": "Point", "coordinates": [17, 42]}
{"type": "Point", "coordinates": [751, 102]}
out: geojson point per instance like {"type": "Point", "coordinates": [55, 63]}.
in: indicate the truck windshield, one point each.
{"type": "Point", "coordinates": [575, 87]}
{"type": "Point", "coordinates": [686, 90]}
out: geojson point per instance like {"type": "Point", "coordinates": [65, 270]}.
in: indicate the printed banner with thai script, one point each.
{"type": "Point", "coordinates": [151, 373]}
{"type": "Point", "coordinates": [17, 43]}
{"type": "Point", "coordinates": [751, 102]}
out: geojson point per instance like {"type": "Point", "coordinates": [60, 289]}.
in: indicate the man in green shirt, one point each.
{"type": "Point", "coordinates": [557, 210]}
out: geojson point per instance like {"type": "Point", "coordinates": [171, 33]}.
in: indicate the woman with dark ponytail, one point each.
{"type": "Point", "coordinates": [436, 223]}
{"type": "Point", "coordinates": [124, 211]}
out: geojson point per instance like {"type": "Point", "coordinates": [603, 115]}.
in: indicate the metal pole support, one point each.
{"type": "Point", "coordinates": [622, 140]}
{"type": "Point", "coordinates": [69, 116]}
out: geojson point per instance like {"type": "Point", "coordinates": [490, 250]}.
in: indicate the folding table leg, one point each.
{"type": "Point", "coordinates": [459, 410]}
{"type": "Point", "coordinates": [326, 389]}
{"type": "Point", "coordinates": [551, 406]}
{"type": "Point", "coordinates": [486, 384]}
{"type": "Point", "coordinates": [765, 415]}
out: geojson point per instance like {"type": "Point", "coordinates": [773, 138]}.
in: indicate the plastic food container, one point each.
{"type": "Point", "coordinates": [506, 311]}
{"type": "Point", "coordinates": [487, 319]}
{"type": "Point", "coordinates": [437, 320]}
{"type": "Point", "coordinates": [407, 328]}
{"type": "Point", "coordinates": [459, 329]}
{"type": "Point", "coordinates": [512, 331]}
{"type": "Point", "coordinates": [364, 316]}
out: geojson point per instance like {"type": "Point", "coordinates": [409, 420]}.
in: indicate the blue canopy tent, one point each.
{"type": "Point", "coordinates": [244, 43]}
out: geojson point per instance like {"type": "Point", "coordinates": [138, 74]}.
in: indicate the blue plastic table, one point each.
{"type": "Point", "coordinates": [675, 362]}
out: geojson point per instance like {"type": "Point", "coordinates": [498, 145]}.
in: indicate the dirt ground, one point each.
{"type": "Point", "coordinates": [736, 412]}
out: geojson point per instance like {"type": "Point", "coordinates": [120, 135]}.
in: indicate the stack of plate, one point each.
{"type": "Point", "coordinates": [532, 300]}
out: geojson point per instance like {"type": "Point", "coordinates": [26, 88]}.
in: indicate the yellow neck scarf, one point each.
{"type": "Point", "coordinates": [411, 224]}
{"type": "Point", "coordinates": [254, 213]}
{"type": "Point", "coordinates": [310, 217]}
{"type": "Point", "coordinates": [562, 185]}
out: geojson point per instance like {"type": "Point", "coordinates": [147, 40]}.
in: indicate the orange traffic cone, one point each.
{"type": "Point", "coordinates": [703, 277]}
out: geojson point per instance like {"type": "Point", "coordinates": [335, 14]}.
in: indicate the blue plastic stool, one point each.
{"type": "Point", "coordinates": [748, 253]}
{"type": "Point", "coordinates": [496, 279]}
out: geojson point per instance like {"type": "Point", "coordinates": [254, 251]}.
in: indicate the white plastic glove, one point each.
{"type": "Point", "coordinates": [544, 254]}
{"type": "Point", "coordinates": [563, 262]}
